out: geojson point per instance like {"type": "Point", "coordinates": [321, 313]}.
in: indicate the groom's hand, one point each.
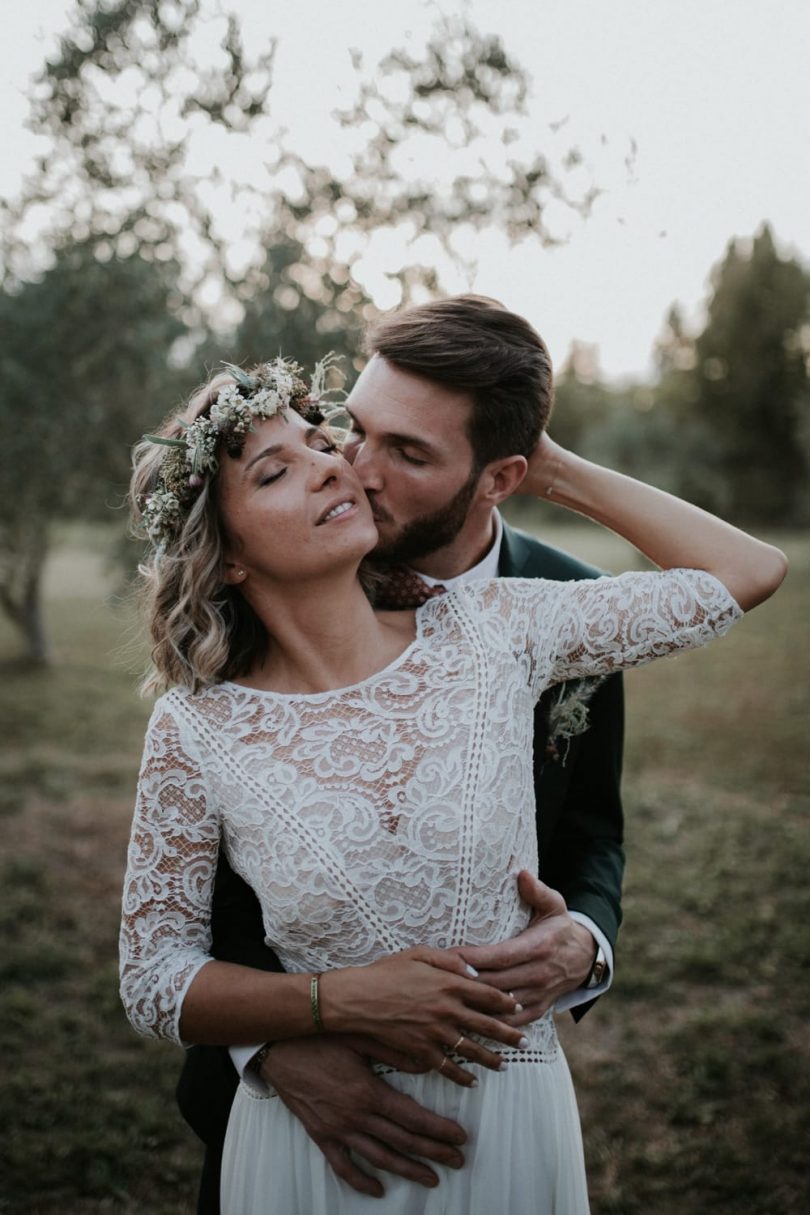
{"type": "Point", "coordinates": [552, 956]}
{"type": "Point", "coordinates": [328, 1084]}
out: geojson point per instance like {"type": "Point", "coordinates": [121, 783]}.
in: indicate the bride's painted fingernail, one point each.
{"type": "Point", "coordinates": [518, 1008]}
{"type": "Point", "coordinates": [471, 970]}
{"type": "Point", "coordinates": [503, 1067]}
{"type": "Point", "coordinates": [523, 1043]}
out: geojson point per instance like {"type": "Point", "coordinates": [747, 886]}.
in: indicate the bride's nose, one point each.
{"type": "Point", "coordinates": [325, 468]}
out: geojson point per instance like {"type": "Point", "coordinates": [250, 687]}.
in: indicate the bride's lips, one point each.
{"type": "Point", "coordinates": [343, 506]}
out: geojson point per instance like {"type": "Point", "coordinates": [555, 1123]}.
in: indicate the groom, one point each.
{"type": "Point", "coordinates": [443, 420]}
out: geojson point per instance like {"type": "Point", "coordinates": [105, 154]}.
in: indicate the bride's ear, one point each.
{"type": "Point", "coordinates": [233, 573]}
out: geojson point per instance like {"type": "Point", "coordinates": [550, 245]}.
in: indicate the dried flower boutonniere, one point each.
{"type": "Point", "coordinates": [568, 715]}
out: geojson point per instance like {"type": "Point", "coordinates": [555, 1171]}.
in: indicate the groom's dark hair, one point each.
{"type": "Point", "coordinates": [473, 344]}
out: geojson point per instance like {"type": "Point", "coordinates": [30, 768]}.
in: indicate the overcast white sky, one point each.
{"type": "Point", "coordinates": [716, 94]}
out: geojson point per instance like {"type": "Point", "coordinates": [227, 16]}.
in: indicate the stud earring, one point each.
{"type": "Point", "coordinates": [240, 574]}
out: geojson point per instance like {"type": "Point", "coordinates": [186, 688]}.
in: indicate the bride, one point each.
{"type": "Point", "coordinates": [369, 775]}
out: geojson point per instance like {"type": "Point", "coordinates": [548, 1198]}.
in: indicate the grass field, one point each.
{"type": "Point", "coordinates": [692, 1074]}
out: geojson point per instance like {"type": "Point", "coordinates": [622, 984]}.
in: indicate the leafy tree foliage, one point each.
{"type": "Point", "coordinates": [140, 112]}
{"type": "Point", "coordinates": [728, 422]}
{"type": "Point", "coordinates": [736, 396]}
{"type": "Point", "coordinates": [287, 313]}
{"type": "Point", "coordinates": [617, 426]}
{"type": "Point", "coordinates": [121, 241]}
{"type": "Point", "coordinates": [751, 387]}
{"type": "Point", "coordinates": [581, 400]}
{"type": "Point", "coordinates": [83, 370]}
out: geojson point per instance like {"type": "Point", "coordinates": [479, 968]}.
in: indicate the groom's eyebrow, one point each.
{"type": "Point", "coordinates": [399, 438]}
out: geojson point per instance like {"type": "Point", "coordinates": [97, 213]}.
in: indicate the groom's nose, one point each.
{"type": "Point", "coordinates": [367, 467]}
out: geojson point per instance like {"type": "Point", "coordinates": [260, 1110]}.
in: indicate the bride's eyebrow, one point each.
{"type": "Point", "coordinates": [268, 451]}
{"type": "Point", "coordinates": [275, 448]}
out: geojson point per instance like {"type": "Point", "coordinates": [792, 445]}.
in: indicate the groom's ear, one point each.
{"type": "Point", "coordinates": [501, 479]}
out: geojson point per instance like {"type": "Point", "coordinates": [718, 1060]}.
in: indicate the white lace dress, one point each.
{"type": "Point", "coordinates": [376, 817]}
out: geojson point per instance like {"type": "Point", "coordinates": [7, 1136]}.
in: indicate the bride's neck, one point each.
{"type": "Point", "coordinates": [324, 638]}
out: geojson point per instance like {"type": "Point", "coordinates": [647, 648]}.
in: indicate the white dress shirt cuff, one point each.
{"type": "Point", "coordinates": [240, 1058]}
{"type": "Point", "coordinates": [583, 995]}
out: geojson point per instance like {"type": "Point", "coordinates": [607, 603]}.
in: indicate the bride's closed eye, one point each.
{"type": "Point", "coordinates": [271, 477]}
{"type": "Point", "coordinates": [325, 446]}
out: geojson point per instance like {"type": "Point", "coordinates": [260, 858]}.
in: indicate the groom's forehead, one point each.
{"type": "Point", "coordinates": [401, 403]}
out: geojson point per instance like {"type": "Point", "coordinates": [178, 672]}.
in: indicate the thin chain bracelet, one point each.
{"type": "Point", "coordinates": [550, 487]}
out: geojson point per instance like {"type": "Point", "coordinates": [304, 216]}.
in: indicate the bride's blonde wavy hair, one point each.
{"type": "Point", "coordinates": [201, 630]}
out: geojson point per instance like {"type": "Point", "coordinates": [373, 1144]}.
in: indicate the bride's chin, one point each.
{"type": "Point", "coordinates": [371, 539]}
{"type": "Point", "coordinates": [356, 552]}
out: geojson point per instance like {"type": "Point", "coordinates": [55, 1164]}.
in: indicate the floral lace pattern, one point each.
{"type": "Point", "coordinates": [389, 814]}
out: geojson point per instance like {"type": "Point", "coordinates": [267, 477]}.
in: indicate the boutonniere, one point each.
{"type": "Point", "coordinates": [568, 715]}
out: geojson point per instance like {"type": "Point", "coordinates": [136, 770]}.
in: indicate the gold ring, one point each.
{"type": "Point", "coordinates": [453, 1049]}
{"type": "Point", "coordinates": [440, 1068]}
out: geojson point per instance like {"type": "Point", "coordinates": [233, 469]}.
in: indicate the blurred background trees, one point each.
{"type": "Point", "coordinates": [121, 280]}
{"type": "Point", "coordinates": [83, 358]}
{"type": "Point", "coordinates": [750, 388]}
{"type": "Point", "coordinates": [726, 422]}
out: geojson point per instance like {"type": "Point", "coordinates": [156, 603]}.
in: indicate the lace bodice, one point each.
{"type": "Point", "coordinates": [388, 814]}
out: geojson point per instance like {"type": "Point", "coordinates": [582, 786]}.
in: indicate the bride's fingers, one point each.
{"type": "Point", "coordinates": [475, 1052]}
{"type": "Point", "coordinates": [466, 1047]}
{"type": "Point", "coordinates": [450, 1070]}
{"type": "Point", "coordinates": [474, 993]}
{"type": "Point", "coordinates": [489, 1027]}
{"type": "Point", "coordinates": [531, 1012]}
{"type": "Point", "coordinates": [447, 959]}
{"type": "Point", "coordinates": [486, 1000]}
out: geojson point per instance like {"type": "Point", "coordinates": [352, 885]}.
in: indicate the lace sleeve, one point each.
{"type": "Point", "coordinates": [605, 624]}
{"type": "Point", "coordinates": [165, 937]}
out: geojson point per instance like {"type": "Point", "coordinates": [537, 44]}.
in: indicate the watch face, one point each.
{"type": "Point", "coordinates": [600, 966]}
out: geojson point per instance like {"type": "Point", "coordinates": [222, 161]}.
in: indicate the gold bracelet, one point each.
{"type": "Point", "coordinates": [550, 487]}
{"type": "Point", "coordinates": [313, 1003]}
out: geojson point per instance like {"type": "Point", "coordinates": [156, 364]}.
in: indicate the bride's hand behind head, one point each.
{"type": "Point", "coordinates": [544, 465]}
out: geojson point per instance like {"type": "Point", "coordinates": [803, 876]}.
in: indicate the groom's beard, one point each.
{"type": "Point", "coordinates": [428, 533]}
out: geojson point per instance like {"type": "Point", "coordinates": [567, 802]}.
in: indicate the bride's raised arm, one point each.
{"type": "Point", "coordinates": [670, 532]}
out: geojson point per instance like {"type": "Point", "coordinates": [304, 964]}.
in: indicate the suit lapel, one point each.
{"type": "Point", "coordinates": [515, 557]}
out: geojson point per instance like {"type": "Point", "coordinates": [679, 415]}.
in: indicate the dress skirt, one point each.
{"type": "Point", "coordinates": [523, 1153]}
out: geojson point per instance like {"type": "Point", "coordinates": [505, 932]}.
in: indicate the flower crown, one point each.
{"type": "Point", "coordinates": [268, 390]}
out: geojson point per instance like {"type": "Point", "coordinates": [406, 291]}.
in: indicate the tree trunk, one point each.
{"type": "Point", "coordinates": [32, 624]}
{"type": "Point", "coordinates": [21, 589]}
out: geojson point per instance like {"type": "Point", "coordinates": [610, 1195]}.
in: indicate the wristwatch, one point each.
{"type": "Point", "coordinates": [598, 970]}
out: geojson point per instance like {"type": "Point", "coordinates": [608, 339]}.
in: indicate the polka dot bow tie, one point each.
{"type": "Point", "coordinates": [403, 588]}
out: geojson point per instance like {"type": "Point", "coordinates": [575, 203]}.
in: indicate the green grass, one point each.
{"type": "Point", "coordinates": [692, 1074]}
{"type": "Point", "coordinates": [87, 1107]}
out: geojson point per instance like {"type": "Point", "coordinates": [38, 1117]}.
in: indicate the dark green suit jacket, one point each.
{"type": "Point", "coordinates": [579, 809]}
{"type": "Point", "coordinates": [579, 826]}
